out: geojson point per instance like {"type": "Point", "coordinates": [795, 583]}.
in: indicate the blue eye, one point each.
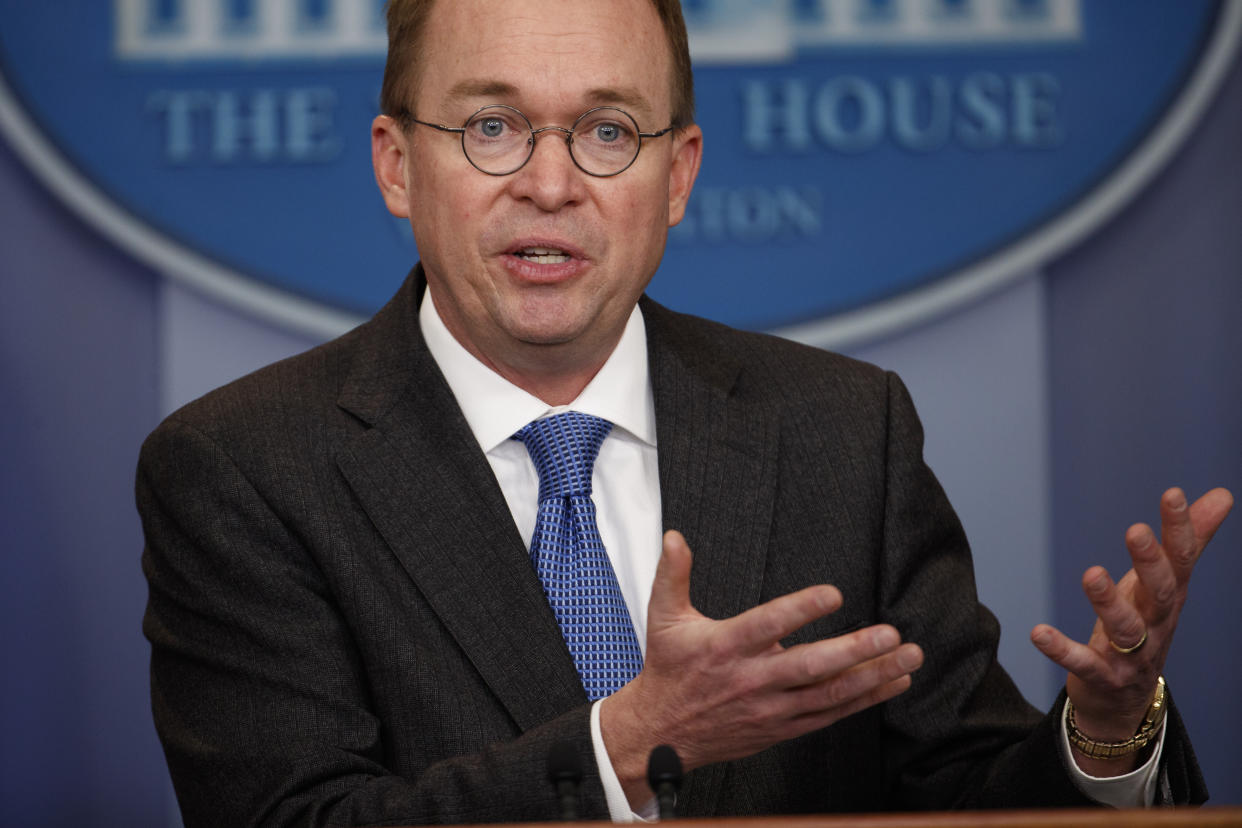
{"type": "Point", "coordinates": [492, 127]}
{"type": "Point", "coordinates": [607, 133]}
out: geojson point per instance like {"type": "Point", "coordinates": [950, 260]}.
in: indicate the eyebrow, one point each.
{"type": "Point", "coordinates": [627, 97]}
{"type": "Point", "coordinates": [481, 88]}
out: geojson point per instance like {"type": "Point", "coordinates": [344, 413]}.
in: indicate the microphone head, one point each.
{"type": "Point", "coordinates": [563, 763]}
{"type": "Point", "coordinates": [664, 767]}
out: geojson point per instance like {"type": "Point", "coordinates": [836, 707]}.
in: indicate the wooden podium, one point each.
{"type": "Point", "coordinates": [1051, 818]}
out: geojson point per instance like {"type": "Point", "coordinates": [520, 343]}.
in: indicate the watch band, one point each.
{"type": "Point", "coordinates": [1112, 750]}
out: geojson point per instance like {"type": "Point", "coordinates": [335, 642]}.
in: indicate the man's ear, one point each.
{"type": "Point", "coordinates": [687, 154]}
{"type": "Point", "coordinates": [388, 156]}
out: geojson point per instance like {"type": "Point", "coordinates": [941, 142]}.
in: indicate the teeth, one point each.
{"type": "Point", "coordinates": [544, 255]}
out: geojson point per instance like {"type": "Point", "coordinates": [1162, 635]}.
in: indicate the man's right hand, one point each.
{"type": "Point", "coordinates": [720, 690]}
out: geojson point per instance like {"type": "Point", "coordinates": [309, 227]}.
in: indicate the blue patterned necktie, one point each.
{"type": "Point", "coordinates": [570, 558]}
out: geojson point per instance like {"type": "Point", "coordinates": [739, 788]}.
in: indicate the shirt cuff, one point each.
{"type": "Point", "coordinates": [618, 804]}
{"type": "Point", "coordinates": [1136, 789]}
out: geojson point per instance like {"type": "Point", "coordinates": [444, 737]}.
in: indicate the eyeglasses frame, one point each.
{"type": "Point", "coordinates": [534, 133]}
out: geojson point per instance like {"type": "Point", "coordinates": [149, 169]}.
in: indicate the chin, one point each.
{"type": "Point", "coordinates": [546, 338]}
{"type": "Point", "coordinates": [549, 328]}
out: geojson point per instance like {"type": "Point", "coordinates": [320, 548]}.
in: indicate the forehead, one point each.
{"type": "Point", "coordinates": [554, 54]}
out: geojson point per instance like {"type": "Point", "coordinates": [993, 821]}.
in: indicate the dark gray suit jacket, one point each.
{"type": "Point", "coordinates": [346, 627]}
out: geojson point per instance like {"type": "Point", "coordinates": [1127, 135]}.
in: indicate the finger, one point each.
{"type": "Point", "coordinates": [1177, 533]}
{"type": "Point", "coordinates": [1076, 658]}
{"type": "Point", "coordinates": [858, 680]}
{"type": "Point", "coordinates": [810, 664]}
{"type": "Point", "coordinates": [814, 721]}
{"type": "Point", "coordinates": [670, 591]}
{"type": "Point", "coordinates": [1122, 621]}
{"type": "Point", "coordinates": [1208, 512]}
{"type": "Point", "coordinates": [760, 627]}
{"type": "Point", "coordinates": [1155, 572]}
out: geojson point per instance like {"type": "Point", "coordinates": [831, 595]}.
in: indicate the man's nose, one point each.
{"type": "Point", "coordinates": [550, 178]}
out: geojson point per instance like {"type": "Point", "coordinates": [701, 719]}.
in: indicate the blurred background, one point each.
{"type": "Point", "coordinates": [1031, 209]}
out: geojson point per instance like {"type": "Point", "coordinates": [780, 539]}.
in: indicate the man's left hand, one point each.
{"type": "Point", "coordinates": [1111, 690]}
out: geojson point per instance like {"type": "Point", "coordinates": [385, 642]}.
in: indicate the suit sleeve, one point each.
{"type": "Point", "coordinates": [258, 690]}
{"type": "Point", "coordinates": [963, 736]}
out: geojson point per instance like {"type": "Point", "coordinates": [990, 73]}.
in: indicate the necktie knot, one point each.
{"type": "Point", "coordinates": [563, 448]}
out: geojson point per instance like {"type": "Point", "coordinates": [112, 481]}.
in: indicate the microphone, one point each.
{"type": "Point", "coordinates": [664, 777]}
{"type": "Point", "coordinates": [565, 773]}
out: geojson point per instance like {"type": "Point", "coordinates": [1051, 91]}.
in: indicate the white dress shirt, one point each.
{"type": "Point", "coordinates": [627, 500]}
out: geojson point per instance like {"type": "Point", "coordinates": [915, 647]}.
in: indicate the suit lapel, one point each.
{"type": "Point", "coordinates": [718, 458]}
{"type": "Point", "coordinates": [419, 474]}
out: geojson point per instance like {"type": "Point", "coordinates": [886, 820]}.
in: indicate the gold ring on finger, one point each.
{"type": "Point", "coordinates": [1128, 650]}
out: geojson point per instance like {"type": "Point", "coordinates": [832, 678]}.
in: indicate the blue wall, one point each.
{"type": "Point", "coordinates": [77, 378]}
{"type": "Point", "coordinates": [1146, 371]}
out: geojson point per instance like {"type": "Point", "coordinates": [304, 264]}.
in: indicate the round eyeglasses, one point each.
{"type": "Point", "coordinates": [499, 139]}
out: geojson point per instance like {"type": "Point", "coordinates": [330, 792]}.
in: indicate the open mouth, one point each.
{"type": "Point", "coordinates": [542, 255]}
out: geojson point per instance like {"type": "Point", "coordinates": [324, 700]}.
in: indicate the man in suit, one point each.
{"type": "Point", "coordinates": [346, 624]}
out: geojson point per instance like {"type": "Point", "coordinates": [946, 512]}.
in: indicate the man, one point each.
{"type": "Point", "coordinates": [346, 624]}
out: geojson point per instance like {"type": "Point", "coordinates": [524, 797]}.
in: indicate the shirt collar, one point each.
{"type": "Point", "coordinates": [496, 408]}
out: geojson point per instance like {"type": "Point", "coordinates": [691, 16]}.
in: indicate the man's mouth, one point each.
{"type": "Point", "coordinates": [543, 255]}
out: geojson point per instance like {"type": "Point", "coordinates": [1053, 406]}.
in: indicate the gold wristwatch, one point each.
{"type": "Point", "coordinates": [1111, 750]}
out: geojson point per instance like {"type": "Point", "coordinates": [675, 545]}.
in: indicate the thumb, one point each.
{"type": "Point", "coordinates": [670, 592]}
